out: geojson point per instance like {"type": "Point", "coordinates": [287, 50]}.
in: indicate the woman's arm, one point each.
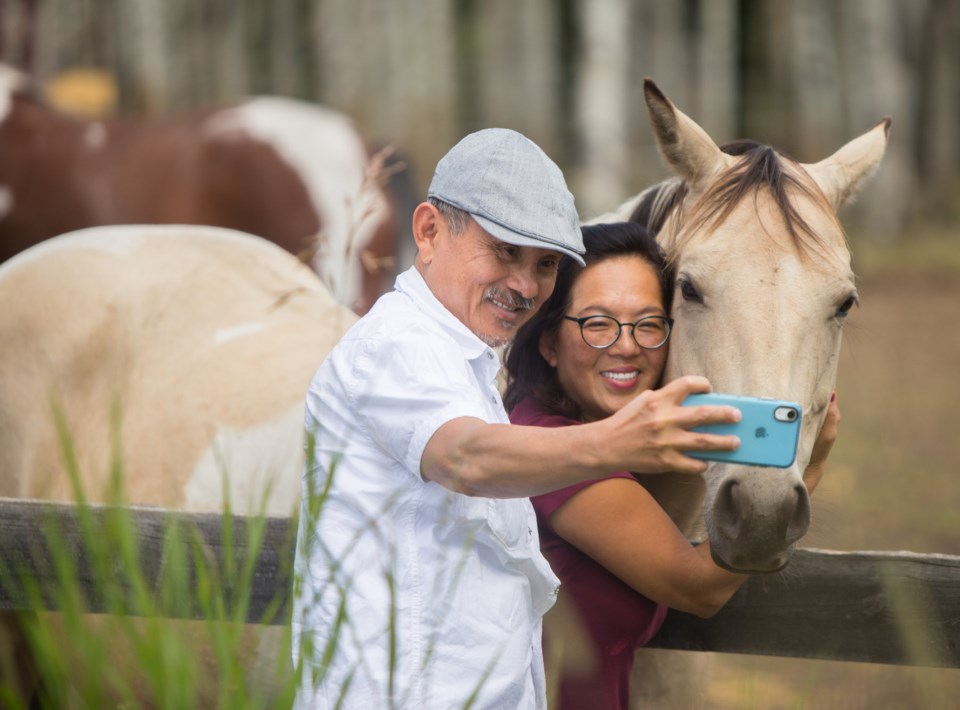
{"type": "Point", "coordinates": [620, 525]}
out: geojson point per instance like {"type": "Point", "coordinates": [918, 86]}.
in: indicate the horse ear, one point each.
{"type": "Point", "coordinates": [842, 174]}
{"type": "Point", "coordinates": [685, 146]}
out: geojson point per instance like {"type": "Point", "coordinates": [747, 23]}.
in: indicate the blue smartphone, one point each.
{"type": "Point", "coordinates": [769, 430]}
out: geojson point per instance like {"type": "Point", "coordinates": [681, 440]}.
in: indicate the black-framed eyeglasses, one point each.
{"type": "Point", "coordinates": [601, 332]}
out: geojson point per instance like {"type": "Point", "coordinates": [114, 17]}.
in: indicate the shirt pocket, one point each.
{"type": "Point", "coordinates": [509, 523]}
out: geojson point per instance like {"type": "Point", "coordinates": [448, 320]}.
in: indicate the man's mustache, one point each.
{"type": "Point", "coordinates": [510, 298]}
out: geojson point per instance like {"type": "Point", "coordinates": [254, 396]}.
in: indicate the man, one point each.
{"type": "Point", "coordinates": [419, 578]}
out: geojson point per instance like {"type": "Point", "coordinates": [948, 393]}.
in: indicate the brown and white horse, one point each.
{"type": "Point", "coordinates": [764, 285]}
{"type": "Point", "coordinates": [292, 172]}
{"type": "Point", "coordinates": [205, 339]}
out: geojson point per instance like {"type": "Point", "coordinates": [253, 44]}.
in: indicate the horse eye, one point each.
{"type": "Point", "coordinates": [845, 307]}
{"type": "Point", "coordinates": [690, 293]}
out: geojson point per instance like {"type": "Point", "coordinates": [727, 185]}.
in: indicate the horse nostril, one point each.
{"type": "Point", "coordinates": [730, 508]}
{"type": "Point", "coordinates": [800, 520]}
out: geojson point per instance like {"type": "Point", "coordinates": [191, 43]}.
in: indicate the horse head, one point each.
{"type": "Point", "coordinates": [764, 285]}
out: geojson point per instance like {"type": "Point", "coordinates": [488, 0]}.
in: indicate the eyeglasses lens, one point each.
{"type": "Point", "coordinates": [603, 331]}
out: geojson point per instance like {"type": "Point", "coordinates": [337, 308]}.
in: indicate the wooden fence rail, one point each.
{"type": "Point", "coordinates": [881, 607]}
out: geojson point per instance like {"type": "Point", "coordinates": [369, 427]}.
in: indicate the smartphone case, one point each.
{"type": "Point", "coordinates": [768, 436]}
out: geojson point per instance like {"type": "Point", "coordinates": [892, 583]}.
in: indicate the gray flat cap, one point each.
{"type": "Point", "coordinates": [512, 189]}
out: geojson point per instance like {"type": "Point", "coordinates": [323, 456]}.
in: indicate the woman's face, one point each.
{"type": "Point", "coordinates": [602, 381]}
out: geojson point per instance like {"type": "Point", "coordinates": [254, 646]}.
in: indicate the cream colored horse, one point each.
{"type": "Point", "coordinates": [205, 338]}
{"type": "Point", "coordinates": [763, 288]}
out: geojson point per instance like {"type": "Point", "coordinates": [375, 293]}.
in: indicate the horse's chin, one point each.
{"type": "Point", "coordinates": [775, 565]}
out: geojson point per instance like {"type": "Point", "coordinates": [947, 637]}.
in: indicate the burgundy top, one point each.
{"type": "Point", "coordinates": [617, 619]}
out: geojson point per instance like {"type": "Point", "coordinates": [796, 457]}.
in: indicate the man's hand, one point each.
{"type": "Point", "coordinates": [653, 431]}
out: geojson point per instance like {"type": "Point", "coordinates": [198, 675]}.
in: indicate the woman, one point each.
{"type": "Point", "coordinates": [620, 558]}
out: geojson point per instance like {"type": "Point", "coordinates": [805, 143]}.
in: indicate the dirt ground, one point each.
{"type": "Point", "coordinates": [894, 480]}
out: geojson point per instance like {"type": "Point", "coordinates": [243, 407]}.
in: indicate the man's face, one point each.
{"type": "Point", "coordinates": [492, 287]}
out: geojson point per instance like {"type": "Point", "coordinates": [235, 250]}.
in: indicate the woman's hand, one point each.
{"type": "Point", "coordinates": [823, 445]}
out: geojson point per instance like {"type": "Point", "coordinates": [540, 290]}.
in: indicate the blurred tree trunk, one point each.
{"type": "Point", "coordinates": [657, 50]}
{"type": "Point", "coordinates": [391, 66]}
{"type": "Point", "coordinates": [816, 89]}
{"type": "Point", "coordinates": [938, 142]}
{"type": "Point", "coordinates": [601, 105]}
{"type": "Point", "coordinates": [291, 72]}
{"type": "Point", "coordinates": [690, 50]}
{"type": "Point", "coordinates": [517, 69]}
{"type": "Point", "coordinates": [876, 85]}
{"type": "Point", "coordinates": [60, 27]}
{"type": "Point", "coordinates": [224, 68]}
{"type": "Point", "coordinates": [764, 71]}
{"type": "Point", "coordinates": [144, 74]}
{"type": "Point", "coordinates": [715, 76]}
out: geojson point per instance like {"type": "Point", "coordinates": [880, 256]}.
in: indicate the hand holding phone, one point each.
{"type": "Point", "coordinates": [769, 430]}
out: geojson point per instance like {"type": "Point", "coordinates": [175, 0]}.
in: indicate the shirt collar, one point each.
{"type": "Point", "coordinates": [411, 284]}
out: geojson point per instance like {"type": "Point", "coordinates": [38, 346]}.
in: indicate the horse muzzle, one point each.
{"type": "Point", "coordinates": [756, 518]}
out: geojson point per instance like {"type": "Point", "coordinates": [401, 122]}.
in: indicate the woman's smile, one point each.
{"type": "Point", "coordinates": [621, 378]}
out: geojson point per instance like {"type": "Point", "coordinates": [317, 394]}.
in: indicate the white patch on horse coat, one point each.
{"type": "Point", "coordinates": [11, 80]}
{"type": "Point", "coordinates": [237, 331]}
{"type": "Point", "coordinates": [95, 135]}
{"type": "Point", "coordinates": [261, 463]}
{"type": "Point", "coordinates": [224, 125]}
{"type": "Point", "coordinates": [324, 148]}
{"type": "Point", "coordinates": [6, 201]}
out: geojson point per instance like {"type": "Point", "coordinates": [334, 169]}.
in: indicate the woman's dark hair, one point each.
{"type": "Point", "coordinates": [528, 374]}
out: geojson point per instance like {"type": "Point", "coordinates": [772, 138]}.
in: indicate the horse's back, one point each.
{"type": "Point", "coordinates": [204, 341]}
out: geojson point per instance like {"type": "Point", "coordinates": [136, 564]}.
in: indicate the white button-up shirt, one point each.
{"type": "Point", "coordinates": [428, 598]}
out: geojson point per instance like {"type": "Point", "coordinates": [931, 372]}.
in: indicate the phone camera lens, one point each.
{"type": "Point", "coordinates": [786, 414]}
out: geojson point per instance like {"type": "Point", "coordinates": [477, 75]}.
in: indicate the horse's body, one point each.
{"type": "Point", "coordinates": [764, 284]}
{"type": "Point", "coordinates": [292, 172]}
{"type": "Point", "coordinates": [203, 339]}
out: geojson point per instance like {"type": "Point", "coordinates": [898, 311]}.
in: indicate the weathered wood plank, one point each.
{"type": "Point", "coordinates": [881, 607]}
{"type": "Point", "coordinates": [28, 550]}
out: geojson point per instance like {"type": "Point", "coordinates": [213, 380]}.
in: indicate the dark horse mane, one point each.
{"type": "Point", "coordinates": [761, 168]}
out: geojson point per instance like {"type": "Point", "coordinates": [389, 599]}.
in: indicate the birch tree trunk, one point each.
{"type": "Point", "coordinates": [291, 72]}
{"type": "Point", "coordinates": [392, 67]}
{"type": "Point", "coordinates": [601, 100]}
{"type": "Point", "coordinates": [715, 77]}
{"type": "Point", "coordinates": [816, 90]}
{"type": "Point", "coordinates": [938, 142]}
{"type": "Point", "coordinates": [143, 72]}
{"type": "Point", "coordinates": [517, 69]}
{"type": "Point", "coordinates": [876, 85]}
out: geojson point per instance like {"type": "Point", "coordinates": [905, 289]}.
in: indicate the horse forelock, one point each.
{"type": "Point", "coordinates": [762, 170]}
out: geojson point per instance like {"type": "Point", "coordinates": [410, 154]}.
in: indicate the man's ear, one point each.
{"type": "Point", "coordinates": [427, 223]}
{"type": "Point", "coordinates": [548, 347]}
